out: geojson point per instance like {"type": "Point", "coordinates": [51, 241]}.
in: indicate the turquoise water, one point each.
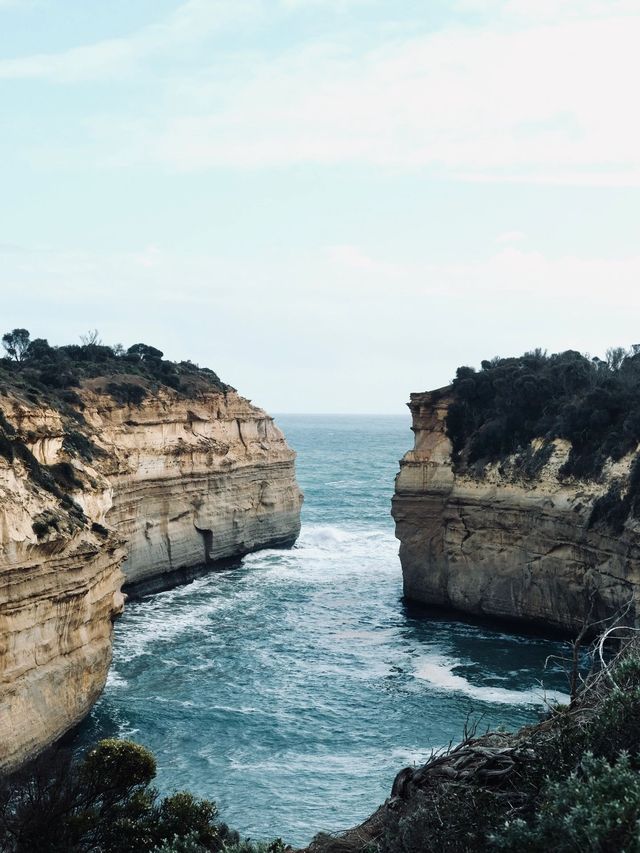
{"type": "Point", "coordinates": [291, 690]}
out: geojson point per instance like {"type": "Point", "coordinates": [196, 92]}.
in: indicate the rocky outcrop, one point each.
{"type": "Point", "coordinates": [509, 543]}
{"type": "Point", "coordinates": [92, 487]}
{"type": "Point", "coordinates": [194, 482]}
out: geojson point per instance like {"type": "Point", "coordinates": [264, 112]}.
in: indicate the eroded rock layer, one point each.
{"type": "Point", "coordinates": [502, 542]}
{"type": "Point", "coordinates": [92, 487]}
{"type": "Point", "coordinates": [60, 584]}
{"type": "Point", "coordinates": [194, 481]}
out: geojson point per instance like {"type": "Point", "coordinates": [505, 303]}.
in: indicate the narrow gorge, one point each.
{"type": "Point", "coordinates": [132, 483]}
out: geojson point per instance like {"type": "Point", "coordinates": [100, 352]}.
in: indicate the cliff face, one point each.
{"type": "Point", "coordinates": [60, 583]}
{"type": "Point", "coordinates": [94, 487]}
{"type": "Point", "coordinates": [194, 482]}
{"type": "Point", "coordinates": [508, 544]}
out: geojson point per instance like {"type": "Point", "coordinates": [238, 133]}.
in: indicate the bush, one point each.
{"type": "Point", "coordinates": [44, 523]}
{"type": "Point", "coordinates": [77, 442]}
{"type": "Point", "coordinates": [39, 368]}
{"type": "Point", "coordinates": [449, 820]}
{"type": "Point", "coordinates": [595, 405]}
{"type": "Point", "coordinates": [127, 393]}
{"type": "Point", "coordinates": [186, 844]}
{"type": "Point", "coordinates": [574, 785]}
{"type": "Point", "coordinates": [103, 802]}
{"type": "Point", "coordinates": [596, 808]}
{"type": "Point", "coordinates": [65, 476]}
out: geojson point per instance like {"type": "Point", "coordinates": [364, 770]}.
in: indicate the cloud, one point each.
{"type": "Point", "coordinates": [552, 11]}
{"type": "Point", "coordinates": [534, 97]}
{"type": "Point", "coordinates": [510, 237]}
{"type": "Point", "coordinates": [193, 21]}
{"type": "Point", "coordinates": [547, 104]}
{"type": "Point", "coordinates": [354, 258]}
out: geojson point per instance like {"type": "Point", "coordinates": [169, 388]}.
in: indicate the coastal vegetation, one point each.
{"type": "Point", "coordinates": [595, 404]}
{"type": "Point", "coordinates": [498, 411]}
{"type": "Point", "coordinates": [51, 372]}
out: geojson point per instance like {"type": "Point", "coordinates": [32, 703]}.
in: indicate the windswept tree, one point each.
{"type": "Point", "coordinates": [615, 357]}
{"type": "Point", "coordinates": [145, 352]}
{"type": "Point", "coordinates": [16, 343]}
{"type": "Point", "coordinates": [91, 339]}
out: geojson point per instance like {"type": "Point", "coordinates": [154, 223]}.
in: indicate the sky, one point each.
{"type": "Point", "coordinates": [331, 203]}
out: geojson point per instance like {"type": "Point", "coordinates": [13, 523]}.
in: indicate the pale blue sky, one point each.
{"type": "Point", "coordinates": [330, 202]}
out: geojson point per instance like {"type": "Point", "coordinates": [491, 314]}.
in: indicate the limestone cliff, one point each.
{"type": "Point", "coordinates": [60, 583]}
{"type": "Point", "coordinates": [504, 542]}
{"type": "Point", "coordinates": [194, 481]}
{"type": "Point", "coordinates": [90, 487]}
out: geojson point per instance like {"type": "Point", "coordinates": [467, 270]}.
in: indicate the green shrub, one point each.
{"type": "Point", "coordinates": [76, 442]}
{"type": "Point", "coordinates": [104, 802]}
{"type": "Point", "coordinates": [596, 808]}
{"type": "Point", "coordinates": [249, 846]}
{"type": "Point", "coordinates": [116, 767]}
{"type": "Point", "coordinates": [445, 819]}
{"type": "Point", "coordinates": [65, 476]}
{"type": "Point", "coordinates": [6, 448]}
{"type": "Point", "coordinates": [186, 844]}
{"type": "Point", "coordinates": [181, 814]}
{"type": "Point", "coordinates": [127, 393]}
{"type": "Point", "coordinates": [44, 523]}
{"type": "Point", "coordinates": [41, 370]}
{"type": "Point", "coordinates": [595, 405]}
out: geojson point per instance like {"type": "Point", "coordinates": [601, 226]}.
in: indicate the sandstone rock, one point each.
{"type": "Point", "coordinates": [502, 544]}
{"type": "Point", "coordinates": [160, 490]}
{"type": "Point", "coordinates": [194, 482]}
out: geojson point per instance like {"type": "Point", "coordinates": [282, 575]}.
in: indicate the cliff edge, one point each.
{"type": "Point", "coordinates": [121, 478]}
{"type": "Point", "coordinates": [539, 528]}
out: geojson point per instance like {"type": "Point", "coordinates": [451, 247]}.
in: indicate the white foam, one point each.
{"type": "Point", "coordinates": [165, 617]}
{"type": "Point", "coordinates": [326, 537]}
{"type": "Point", "coordinates": [439, 673]}
{"type": "Point", "coordinates": [116, 680]}
{"type": "Point", "coordinates": [329, 556]}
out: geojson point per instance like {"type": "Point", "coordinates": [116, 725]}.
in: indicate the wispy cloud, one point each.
{"type": "Point", "coordinates": [193, 21]}
{"type": "Point", "coordinates": [531, 104]}
{"type": "Point", "coordinates": [553, 11]}
{"type": "Point", "coordinates": [538, 97]}
{"type": "Point", "coordinates": [510, 237]}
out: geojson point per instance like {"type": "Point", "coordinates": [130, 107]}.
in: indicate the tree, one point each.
{"type": "Point", "coordinates": [103, 801]}
{"type": "Point", "coordinates": [144, 351]}
{"type": "Point", "coordinates": [91, 339]}
{"type": "Point", "coordinates": [16, 343]}
{"type": "Point", "coordinates": [615, 357]}
{"type": "Point", "coordinates": [39, 350]}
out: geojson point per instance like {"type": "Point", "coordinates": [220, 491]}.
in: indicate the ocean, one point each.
{"type": "Point", "coordinates": [292, 689]}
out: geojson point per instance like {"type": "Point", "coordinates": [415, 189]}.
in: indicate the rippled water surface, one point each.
{"type": "Point", "coordinates": [292, 689]}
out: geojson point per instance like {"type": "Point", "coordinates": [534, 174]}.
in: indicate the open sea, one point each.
{"type": "Point", "coordinates": [292, 689]}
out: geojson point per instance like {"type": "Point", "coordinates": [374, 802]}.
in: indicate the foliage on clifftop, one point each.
{"type": "Point", "coordinates": [594, 404]}
{"type": "Point", "coordinates": [51, 373]}
{"type": "Point", "coordinates": [568, 784]}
